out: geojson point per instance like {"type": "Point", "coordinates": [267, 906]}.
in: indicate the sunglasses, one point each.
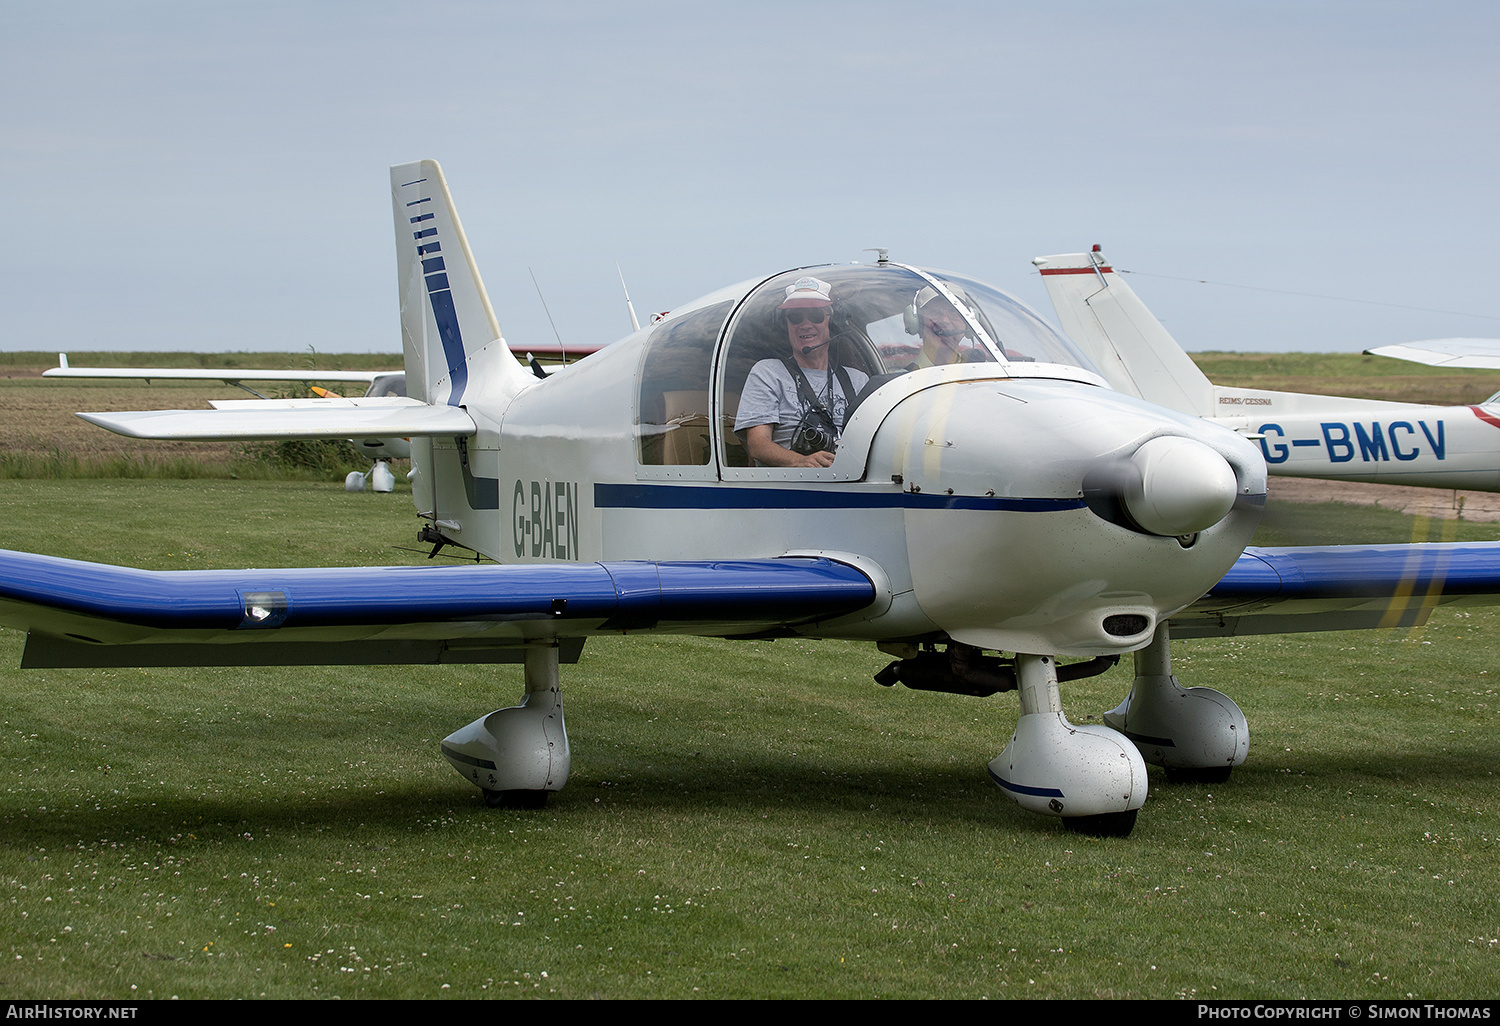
{"type": "Point", "coordinates": [817, 315]}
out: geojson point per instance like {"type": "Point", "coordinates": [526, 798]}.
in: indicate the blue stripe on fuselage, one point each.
{"type": "Point", "coordinates": [650, 496]}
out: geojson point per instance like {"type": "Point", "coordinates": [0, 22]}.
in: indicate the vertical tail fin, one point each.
{"type": "Point", "coordinates": [448, 328]}
{"type": "Point", "coordinates": [1132, 350]}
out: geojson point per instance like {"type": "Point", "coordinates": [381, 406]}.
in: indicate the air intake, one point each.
{"type": "Point", "coordinates": [1124, 625]}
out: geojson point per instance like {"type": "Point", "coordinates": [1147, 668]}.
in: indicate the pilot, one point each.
{"type": "Point", "coordinates": [792, 410]}
{"type": "Point", "coordinates": [943, 330]}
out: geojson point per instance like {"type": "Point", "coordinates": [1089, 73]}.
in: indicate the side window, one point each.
{"type": "Point", "coordinates": [388, 384]}
{"type": "Point", "coordinates": [672, 420]}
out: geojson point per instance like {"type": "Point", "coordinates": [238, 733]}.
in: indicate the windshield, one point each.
{"type": "Point", "coordinates": [1018, 332]}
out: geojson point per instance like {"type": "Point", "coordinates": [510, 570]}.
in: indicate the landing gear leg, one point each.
{"type": "Point", "coordinates": [379, 479]}
{"type": "Point", "coordinates": [518, 756]}
{"type": "Point", "coordinates": [1198, 734]}
{"type": "Point", "coordinates": [1091, 777]}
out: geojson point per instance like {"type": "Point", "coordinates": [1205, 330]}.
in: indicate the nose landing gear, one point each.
{"type": "Point", "coordinates": [1091, 777]}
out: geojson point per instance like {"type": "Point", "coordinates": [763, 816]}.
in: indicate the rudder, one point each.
{"type": "Point", "coordinates": [1129, 345]}
{"type": "Point", "coordinates": [446, 317]}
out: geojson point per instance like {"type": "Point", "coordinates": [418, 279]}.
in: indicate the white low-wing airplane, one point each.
{"type": "Point", "coordinates": [1299, 435]}
{"type": "Point", "coordinates": [988, 495]}
{"type": "Point", "coordinates": [378, 383]}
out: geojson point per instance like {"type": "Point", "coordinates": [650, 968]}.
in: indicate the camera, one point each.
{"type": "Point", "coordinates": [814, 433]}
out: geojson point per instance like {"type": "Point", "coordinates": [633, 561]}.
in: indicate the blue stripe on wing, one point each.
{"type": "Point", "coordinates": [770, 591]}
{"type": "Point", "coordinates": [1344, 571]}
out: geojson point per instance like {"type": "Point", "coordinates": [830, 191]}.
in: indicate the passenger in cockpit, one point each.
{"type": "Point", "coordinates": [943, 331]}
{"type": "Point", "coordinates": [793, 409]}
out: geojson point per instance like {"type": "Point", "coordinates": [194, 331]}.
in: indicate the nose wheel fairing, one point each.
{"type": "Point", "coordinates": [1090, 775]}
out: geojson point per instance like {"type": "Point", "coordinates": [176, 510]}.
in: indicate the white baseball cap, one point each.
{"type": "Point", "coordinates": [807, 292]}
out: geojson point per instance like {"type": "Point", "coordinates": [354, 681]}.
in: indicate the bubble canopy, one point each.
{"type": "Point", "coordinates": [914, 318]}
{"type": "Point", "coordinates": [874, 323]}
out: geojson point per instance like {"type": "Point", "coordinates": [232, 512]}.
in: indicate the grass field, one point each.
{"type": "Point", "coordinates": [1351, 374]}
{"type": "Point", "coordinates": [743, 819]}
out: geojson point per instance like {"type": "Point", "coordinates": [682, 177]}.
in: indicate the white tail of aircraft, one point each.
{"type": "Point", "coordinates": [1300, 435]}
{"type": "Point", "coordinates": [1132, 350]}
{"type": "Point", "coordinates": [455, 355]}
{"type": "Point", "coordinates": [460, 376]}
{"type": "Point", "coordinates": [449, 333]}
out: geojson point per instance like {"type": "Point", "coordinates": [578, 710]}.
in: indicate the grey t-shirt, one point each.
{"type": "Point", "coordinates": [770, 396]}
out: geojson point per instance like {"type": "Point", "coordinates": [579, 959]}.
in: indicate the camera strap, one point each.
{"type": "Point", "coordinates": [805, 390]}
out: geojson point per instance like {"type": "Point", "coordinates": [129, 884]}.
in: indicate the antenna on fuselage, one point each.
{"type": "Point", "coordinates": [550, 321]}
{"type": "Point", "coordinates": [635, 325]}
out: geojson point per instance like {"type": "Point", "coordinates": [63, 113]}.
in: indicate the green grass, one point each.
{"type": "Point", "coordinates": [271, 461]}
{"type": "Point", "coordinates": [1349, 374]}
{"type": "Point", "coordinates": [59, 465]}
{"type": "Point", "coordinates": [743, 819]}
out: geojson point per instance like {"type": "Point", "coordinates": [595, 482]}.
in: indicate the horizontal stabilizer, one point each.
{"type": "Point", "coordinates": [317, 403]}
{"type": "Point", "coordinates": [255, 420]}
{"type": "Point", "coordinates": [67, 604]}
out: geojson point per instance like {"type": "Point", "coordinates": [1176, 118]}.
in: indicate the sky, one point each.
{"type": "Point", "coordinates": [1275, 175]}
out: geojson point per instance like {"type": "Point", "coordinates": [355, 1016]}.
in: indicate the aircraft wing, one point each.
{"type": "Point", "coordinates": [1342, 587]}
{"type": "Point", "coordinates": [90, 614]}
{"type": "Point", "coordinates": [263, 419]}
{"type": "Point", "coordinates": [228, 375]}
{"type": "Point", "coordinates": [1456, 353]}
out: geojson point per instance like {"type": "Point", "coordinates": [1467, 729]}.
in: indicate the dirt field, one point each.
{"type": "Point", "coordinates": [37, 417]}
{"type": "Point", "coordinates": [1481, 507]}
